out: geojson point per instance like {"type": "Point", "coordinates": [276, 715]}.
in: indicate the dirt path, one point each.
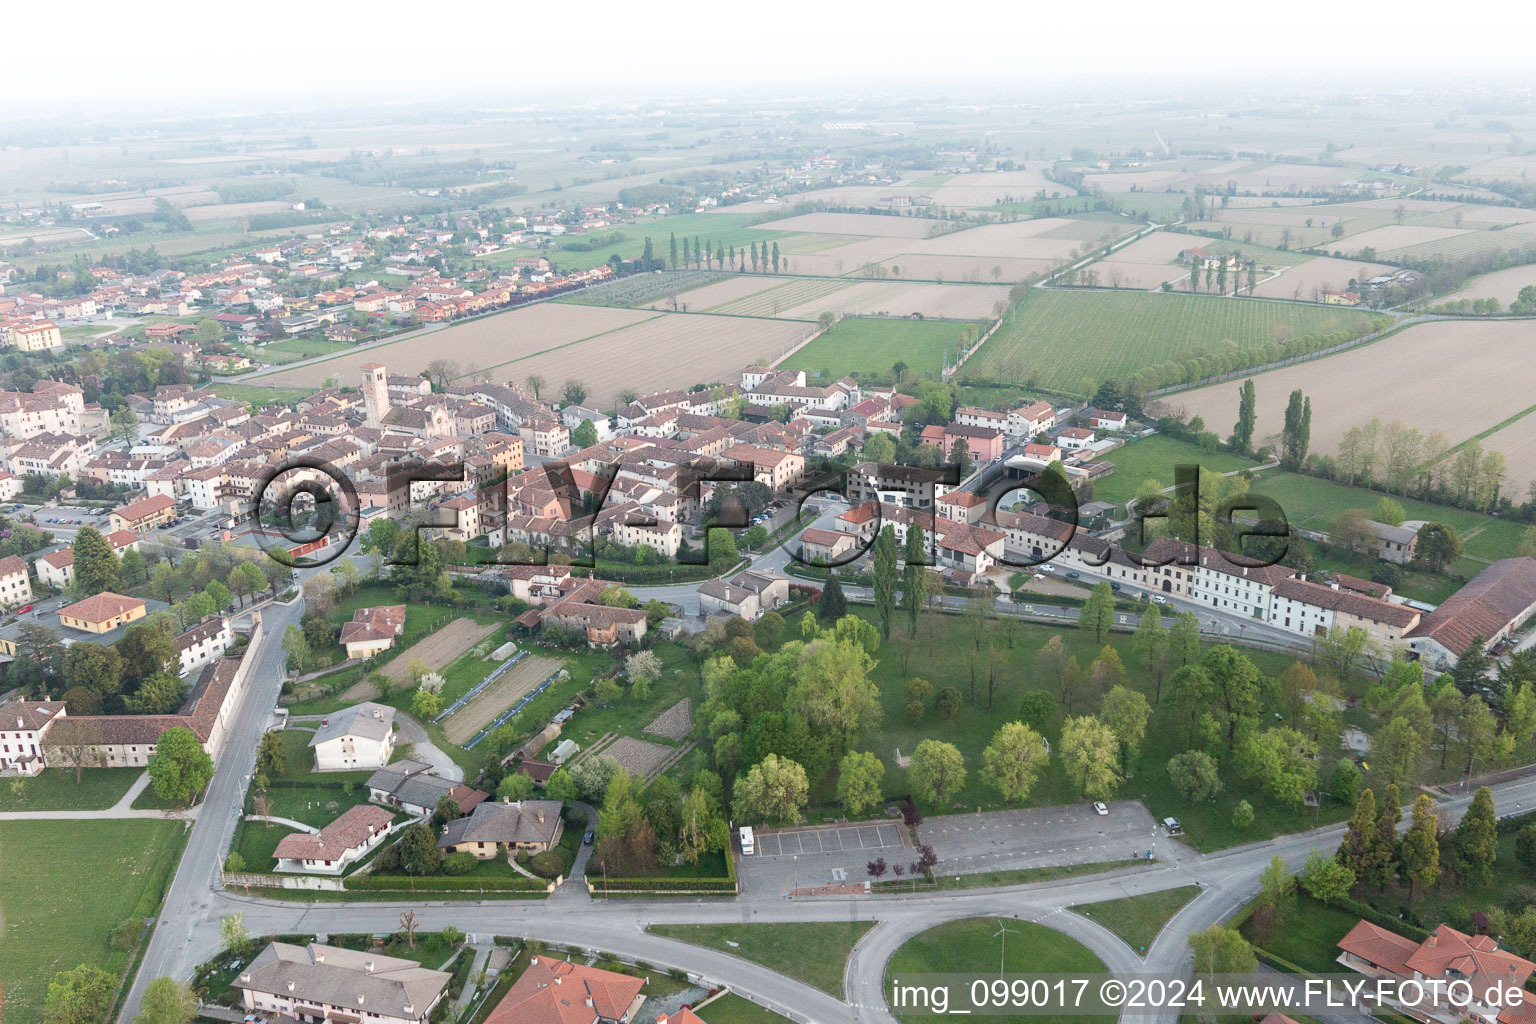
{"type": "Point", "coordinates": [500, 695]}
{"type": "Point", "coordinates": [435, 651]}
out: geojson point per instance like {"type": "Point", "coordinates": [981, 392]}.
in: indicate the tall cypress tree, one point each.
{"type": "Point", "coordinates": [883, 569]}
{"type": "Point", "coordinates": [834, 603]}
{"type": "Point", "coordinates": [1242, 433]}
{"type": "Point", "coordinates": [914, 577]}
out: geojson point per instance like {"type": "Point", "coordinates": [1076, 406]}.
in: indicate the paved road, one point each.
{"type": "Point", "coordinates": [1230, 879]}
{"type": "Point", "coordinates": [190, 908]}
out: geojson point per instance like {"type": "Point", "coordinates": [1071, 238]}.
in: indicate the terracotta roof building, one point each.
{"type": "Point", "coordinates": [560, 992]}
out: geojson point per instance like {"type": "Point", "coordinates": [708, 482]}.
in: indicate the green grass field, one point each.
{"type": "Point", "coordinates": [812, 953]}
{"type": "Point", "coordinates": [294, 349]}
{"type": "Point", "coordinates": [872, 345]}
{"type": "Point", "coordinates": [1138, 919]}
{"type": "Point", "coordinates": [1006, 876]}
{"type": "Point", "coordinates": [259, 395]}
{"type": "Point", "coordinates": [1072, 340]}
{"type": "Point", "coordinates": [64, 885]}
{"type": "Point", "coordinates": [1304, 931]}
{"type": "Point", "coordinates": [1314, 503]}
{"type": "Point", "coordinates": [733, 1009]}
{"type": "Point", "coordinates": [1154, 458]}
{"type": "Point", "coordinates": [973, 946]}
{"type": "Point", "coordinates": [56, 790]}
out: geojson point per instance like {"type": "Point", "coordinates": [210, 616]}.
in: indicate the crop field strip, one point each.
{"type": "Point", "coordinates": [771, 301]}
{"type": "Point", "coordinates": [1065, 338]}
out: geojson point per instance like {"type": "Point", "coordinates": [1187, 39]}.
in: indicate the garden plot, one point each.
{"type": "Point", "coordinates": [463, 724]}
{"type": "Point", "coordinates": [675, 723]}
{"type": "Point", "coordinates": [1450, 376]}
{"type": "Point", "coordinates": [436, 652]}
{"type": "Point", "coordinates": [641, 758]}
{"type": "Point", "coordinates": [870, 224]}
{"type": "Point", "coordinates": [942, 301]}
{"type": "Point", "coordinates": [1310, 279]}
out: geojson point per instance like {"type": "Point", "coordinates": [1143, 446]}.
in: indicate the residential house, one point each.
{"type": "Point", "coordinates": [205, 642]}
{"type": "Point", "coordinates": [505, 828]}
{"type": "Point", "coordinates": [1483, 970]}
{"type": "Point", "coordinates": [362, 736]}
{"type": "Point", "coordinates": [103, 612]}
{"type": "Point", "coordinates": [1495, 603]}
{"type": "Point", "coordinates": [22, 725]}
{"type": "Point", "coordinates": [553, 991]}
{"type": "Point", "coordinates": [338, 845]}
{"type": "Point", "coordinates": [409, 786]}
{"type": "Point", "coordinates": [15, 585]}
{"type": "Point", "coordinates": [144, 515]}
{"type": "Point", "coordinates": [372, 630]}
{"type": "Point", "coordinates": [318, 984]}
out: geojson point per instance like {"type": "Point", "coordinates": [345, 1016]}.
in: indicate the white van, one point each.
{"type": "Point", "coordinates": [748, 844]}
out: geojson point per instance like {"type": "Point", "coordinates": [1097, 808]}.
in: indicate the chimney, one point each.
{"type": "Point", "coordinates": [368, 966]}
{"type": "Point", "coordinates": [290, 986]}
{"type": "Point", "coordinates": [319, 956]}
{"type": "Point", "coordinates": [359, 999]}
{"type": "Point", "coordinates": [541, 817]}
{"type": "Point", "coordinates": [589, 1002]}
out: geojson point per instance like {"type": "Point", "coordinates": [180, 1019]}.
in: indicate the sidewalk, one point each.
{"type": "Point", "coordinates": [122, 809]}
{"type": "Point", "coordinates": [467, 993]}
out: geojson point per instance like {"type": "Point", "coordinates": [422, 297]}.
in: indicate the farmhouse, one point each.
{"type": "Point", "coordinates": [372, 630]}
{"type": "Point", "coordinates": [826, 546]}
{"type": "Point", "coordinates": [330, 850]}
{"type": "Point", "coordinates": [316, 983]}
{"type": "Point", "coordinates": [1106, 419]}
{"type": "Point", "coordinates": [492, 828]}
{"type": "Point", "coordinates": [1075, 438]}
{"type": "Point", "coordinates": [1031, 420]}
{"type": "Point", "coordinates": [1497, 601]}
{"type": "Point", "coordinates": [1396, 544]}
{"type": "Point", "coordinates": [362, 736]}
{"type": "Point", "coordinates": [560, 992]}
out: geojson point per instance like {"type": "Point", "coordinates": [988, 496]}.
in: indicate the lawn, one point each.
{"type": "Point", "coordinates": [1304, 931]}
{"type": "Point", "coordinates": [108, 872]}
{"type": "Point", "coordinates": [972, 946]}
{"type": "Point", "coordinates": [1154, 458]}
{"type": "Point", "coordinates": [1313, 503]}
{"type": "Point", "coordinates": [257, 394]}
{"type": "Point", "coordinates": [733, 1009]}
{"type": "Point", "coordinates": [56, 790]}
{"type": "Point", "coordinates": [872, 345]}
{"type": "Point", "coordinates": [1073, 340]}
{"type": "Point", "coordinates": [1139, 919]}
{"type": "Point", "coordinates": [812, 953]}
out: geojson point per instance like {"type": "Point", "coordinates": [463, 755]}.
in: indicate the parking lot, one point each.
{"type": "Point", "coordinates": [1068, 834]}
{"type": "Point", "coordinates": [813, 856]}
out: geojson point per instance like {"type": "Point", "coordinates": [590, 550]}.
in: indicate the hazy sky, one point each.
{"type": "Point", "coordinates": [178, 53]}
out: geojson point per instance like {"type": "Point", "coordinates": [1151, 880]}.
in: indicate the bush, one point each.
{"type": "Point", "coordinates": [547, 864]}
{"type": "Point", "coordinates": [459, 863]}
{"type": "Point", "coordinates": [126, 935]}
{"type": "Point", "coordinates": [444, 883]}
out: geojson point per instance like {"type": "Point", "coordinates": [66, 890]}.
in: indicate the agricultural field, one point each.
{"type": "Point", "coordinates": [712, 296]}
{"type": "Point", "coordinates": [111, 871]}
{"type": "Point", "coordinates": [1071, 340]}
{"type": "Point", "coordinates": [870, 224]}
{"type": "Point", "coordinates": [873, 345]}
{"type": "Point", "coordinates": [710, 229]}
{"type": "Point", "coordinates": [608, 349]}
{"type": "Point", "coordinates": [484, 343]}
{"type": "Point", "coordinates": [1310, 279]}
{"type": "Point", "coordinates": [1395, 237]}
{"type": "Point", "coordinates": [942, 301]}
{"type": "Point", "coordinates": [514, 684]}
{"type": "Point", "coordinates": [1503, 285]}
{"type": "Point", "coordinates": [669, 351]}
{"type": "Point", "coordinates": [1450, 376]}
{"type": "Point", "coordinates": [435, 651]}
{"type": "Point", "coordinates": [784, 295]}
{"type": "Point", "coordinates": [1518, 443]}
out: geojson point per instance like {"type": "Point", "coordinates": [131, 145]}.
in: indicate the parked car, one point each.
{"type": "Point", "coordinates": [1074, 575]}
{"type": "Point", "coordinates": [23, 610]}
{"type": "Point", "coordinates": [586, 840]}
{"type": "Point", "coordinates": [1159, 599]}
{"type": "Point", "coordinates": [1100, 807]}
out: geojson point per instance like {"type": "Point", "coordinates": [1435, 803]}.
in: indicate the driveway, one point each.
{"type": "Point", "coordinates": [422, 749]}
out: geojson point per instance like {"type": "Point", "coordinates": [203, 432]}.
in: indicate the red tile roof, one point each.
{"type": "Point", "coordinates": [101, 607]}
{"type": "Point", "coordinates": [557, 991]}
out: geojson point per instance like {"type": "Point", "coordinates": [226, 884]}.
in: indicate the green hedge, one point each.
{"type": "Point", "coordinates": [666, 884]}
{"type": "Point", "coordinates": [445, 883]}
